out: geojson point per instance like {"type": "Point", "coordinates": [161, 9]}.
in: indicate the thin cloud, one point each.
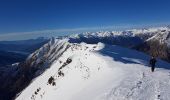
{"type": "Point", "coordinates": [65, 30]}
{"type": "Point", "coordinates": [59, 32]}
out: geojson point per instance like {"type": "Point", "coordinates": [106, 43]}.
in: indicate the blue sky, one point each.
{"type": "Point", "coordinates": [21, 19]}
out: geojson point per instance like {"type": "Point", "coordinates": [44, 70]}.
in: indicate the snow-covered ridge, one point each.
{"type": "Point", "coordinates": [77, 53]}
{"type": "Point", "coordinates": [96, 72]}
{"type": "Point", "coordinates": [69, 68]}
{"type": "Point", "coordinates": [42, 58]}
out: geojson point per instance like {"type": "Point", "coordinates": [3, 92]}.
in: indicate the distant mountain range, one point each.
{"type": "Point", "coordinates": [27, 46]}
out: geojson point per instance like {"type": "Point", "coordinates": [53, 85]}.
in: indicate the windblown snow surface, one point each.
{"type": "Point", "coordinates": [101, 72]}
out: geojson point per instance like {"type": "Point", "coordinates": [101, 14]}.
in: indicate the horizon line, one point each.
{"type": "Point", "coordinates": [69, 31]}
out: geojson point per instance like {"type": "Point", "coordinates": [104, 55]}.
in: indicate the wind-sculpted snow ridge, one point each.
{"type": "Point", "coordinates": [46, 55]}
{"type": "Point", "coordinates": [98, 72]}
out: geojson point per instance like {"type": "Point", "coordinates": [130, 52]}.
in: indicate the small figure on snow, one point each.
{"type": "Point", "coordinates": [152, 62]}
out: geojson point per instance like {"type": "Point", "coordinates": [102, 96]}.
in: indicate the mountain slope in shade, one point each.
{"type": "Point", "coordinates": [158, 45]}
{"type": "Point", "coordinates": [100, 72]}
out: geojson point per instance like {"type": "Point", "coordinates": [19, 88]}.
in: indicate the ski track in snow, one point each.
{"type": "Point", "coordinates": [94, 76]}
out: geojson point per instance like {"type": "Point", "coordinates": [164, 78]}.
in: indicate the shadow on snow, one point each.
{"type": "Point", "coordinates": [129, 56]}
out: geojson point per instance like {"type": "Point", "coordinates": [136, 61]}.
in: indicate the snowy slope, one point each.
{"type": "Point", "coordinates": [100, 72]}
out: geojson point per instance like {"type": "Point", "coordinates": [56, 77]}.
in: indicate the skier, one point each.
{"type": "Point", "coordinates": [152, 63]}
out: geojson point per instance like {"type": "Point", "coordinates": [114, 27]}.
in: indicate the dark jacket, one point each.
{"type": "Point", "coordinates": [152, 61]}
